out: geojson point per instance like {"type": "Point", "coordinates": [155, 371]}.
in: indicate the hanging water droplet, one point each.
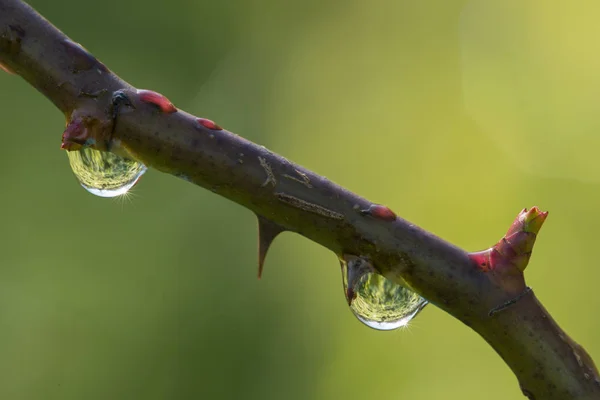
{"type": "Point", "coordinates": [104, 174]}
{"type": "Point", "coordinates": [376, 301]}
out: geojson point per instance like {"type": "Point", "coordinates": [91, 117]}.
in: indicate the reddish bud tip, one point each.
{"type": "Point", "coordinates": [514, 249]}
{"type": "Point", "coordinates": [528, 221]}
{"type": "Point", "coordinates": [533, 219]}
{"type": "Point", "coordinates": [381, 212]}
{"type": "Point", "coordinates": [207, 123]}
{"type": "Point", "coordinates": [157, 99]}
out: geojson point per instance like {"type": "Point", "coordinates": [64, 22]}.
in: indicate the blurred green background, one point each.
{"type": "Point", "coordinates": [472, 110]}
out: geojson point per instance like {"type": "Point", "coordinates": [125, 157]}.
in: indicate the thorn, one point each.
{"type": "Point", "coordinates": [267, 232]}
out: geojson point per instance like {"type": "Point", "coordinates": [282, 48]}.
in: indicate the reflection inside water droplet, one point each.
{"type": "Point", "coordinates": [104, 174]}
{"type": "Point", "coordinates": [378, 302]}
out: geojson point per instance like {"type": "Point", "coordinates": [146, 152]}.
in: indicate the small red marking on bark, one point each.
{"type": "Point", "coordinates": [207, 123]}
{"type": "Point", "coordinates": [157, 99]}
{"type": "Point", "coordinates": [482, 259]}
{"type": "Point", "coordinates": [382, 212]}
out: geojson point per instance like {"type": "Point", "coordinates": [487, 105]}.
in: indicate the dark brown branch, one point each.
{"type": "Point", "coordinates": [494, 303]}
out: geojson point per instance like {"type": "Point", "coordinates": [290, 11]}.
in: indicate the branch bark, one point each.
{"type": "Point", "coordinates": [485, 291]}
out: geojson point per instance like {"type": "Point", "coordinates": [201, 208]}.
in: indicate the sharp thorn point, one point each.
{"type": "Point", "coordinates": [267, 232]}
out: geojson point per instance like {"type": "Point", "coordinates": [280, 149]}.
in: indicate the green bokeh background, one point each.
{"type": "Point", "coordinates": [456, 114]}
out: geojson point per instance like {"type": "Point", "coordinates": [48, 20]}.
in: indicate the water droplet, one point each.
{"type": "Point", "coordinates": [376, 301]}
{"type": "Point", "coordinates": [104, 174]}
